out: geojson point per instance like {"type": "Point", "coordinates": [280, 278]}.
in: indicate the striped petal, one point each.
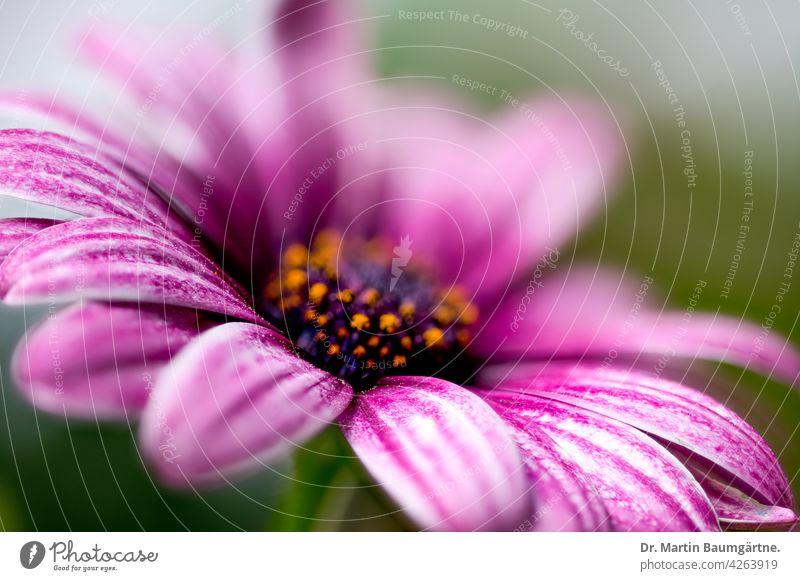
{"type": "Point", "coordinates": [685, 419]}
{"type": "Point", "coordinates": [441, 453]}
{"type": "Point", "coordinates": [739, 511]}
{"type": "Point", "coordinates": [566, 500]}
{"type": "Point", "coordinates": [235, 398]}
{"type": "Point", "coordinates": [643, 486]}
{"type": "Point", "coordinates": [15, 230]}
{"type": "Point", "coordinates": [99, 360]}
{"type": "Point", "coordinates": [116, 259]}
{"type": "Point", "coordinates": [54, 170]}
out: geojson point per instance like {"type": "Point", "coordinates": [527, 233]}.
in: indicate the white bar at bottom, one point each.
{"type": "Point", "coordinates": [386, 556]}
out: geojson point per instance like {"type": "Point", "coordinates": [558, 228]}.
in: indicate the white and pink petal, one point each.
{"type": "Point", "coordinates": [685, 420]}
{"type": "Point", "coordinates": [113, 259]}
{"type": "Point", "coordinates": [643, 486]}
{"type": "Point", "coordinates": [236, 398]}
{"type": "Point", "coordinates": [54, 170]}
{"type": "Point", "coordinates": [441, 453]}
{"type": "Point", "coordinates": [13, 231]}
{"type": "Point", "coordinates": [100, 360]}
{"type": "Point", "coordinates": [565, 499]}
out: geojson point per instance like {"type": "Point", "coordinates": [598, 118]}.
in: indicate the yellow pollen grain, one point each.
{"type": "Point", "coordinates": [322, 320]}
{"type": "Point", "coordinates": [389, 322]}
{"type": "Point", "coordinates": [342, 333]}
{"type": "Point", "coordinates": [370, 296]}
{"type": "Point", "coordinates": [385, 350]}
{"type": "Point", "coordinates": [310, 315]}
{"type": "Point", "coordinates": [346, 296]}
{"type": "Point", "coordinates": [399, 360]}
{"type": "Point", "coordinates": [359, 352]}
{"type": "Point", "coordinates": [432, 336]}
{"type": "Point", "coordinates": [456, 297]}
{"type": "Point", "coordinates": [444, 315]}
{"type": "Point", "coordinates": [407, 309]}
{"type": "Point", "coordinates": [374, 341]}
{"type": "Point", "coordinates": [333, 349]}
{"type": "Point", "coordinates": [470, 314]}
{"type": "Point", "coordinates": [317, 292]}
{"type": "Point", "coordinates": [406, 343]}
{"type": "Point", "coordinates": [321, 336]}
{"type": "Point", "coordinates": [327, 239]}
{"type": "Point", "coordinates": [290, 302]}
{"type": "Point", "coordinates": [295, 256]}
{"type": "Point", "coordinates": [360, 321]}
{"type": "Point", "coordinates": [295, 279]}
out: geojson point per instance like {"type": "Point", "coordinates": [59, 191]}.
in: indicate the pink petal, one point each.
{"type": "Point", "coordinates": [739, 511]}
{"type": "Point", "coordinates": [565, 498]}
{"type": "Point", "coordinates": [99, 360]}
{"type": "Point", "coordinates": [51, 169]}
{"type": "Point", "coordinates": [15, 230]}
{"type": "Point", "coordinates": [643, 486]}
{"type": "Point", "coordinates": [682, 417]}
{"type": "Point", "coordinates": [441, 453]}
{"type": "Point", "coordinates": [116, 259]}
{"type": "Point", "coordinates": [321, 51]}
{"type": "Point", "coordinates": [589, 314]}
{"type": "Point", "coordinates": [235, 398]}
{"type": "Point", "coordinates": [207, 128]}
{"type": "Point", "coordinates": [507, 191]}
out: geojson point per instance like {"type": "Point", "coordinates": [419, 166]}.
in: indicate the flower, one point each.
{"type": "Point", "coordinates": [282, 243]}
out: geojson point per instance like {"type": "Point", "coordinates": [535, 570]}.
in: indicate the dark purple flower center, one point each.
{"type": "Point", "coordinates": [363, 309]}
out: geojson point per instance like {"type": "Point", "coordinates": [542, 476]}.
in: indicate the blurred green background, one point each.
{"type": "Point", "coordinates": [731, 66]}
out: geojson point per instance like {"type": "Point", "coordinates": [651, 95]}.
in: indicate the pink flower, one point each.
{"type": "Point", "coordinates": [283, 243]}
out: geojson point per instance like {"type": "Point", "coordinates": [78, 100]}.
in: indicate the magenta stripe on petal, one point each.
{"type": "Point", "coordinates": [565, 498]}
{"type": "Point", "coordinates": [99, 360]}
{"type": "Point", "coordinates": [441, 453]}
{"type": "Point", "coordinates": [116, 259]}
{"type": "Point", "coordinates": [15, 230]}
{"type": "Point", "coordinates": [736, 509]}
{"type": "Point", "coordinates": [235, 398]}
{"type": "Point", "coordinates": [673, 413]}
{"type": "Point", "coordinates": [50, 169]}
{"type": "Point", "coordinates": [643, 486]}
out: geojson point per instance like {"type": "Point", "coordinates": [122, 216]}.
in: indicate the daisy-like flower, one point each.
{"type": "Point", "coordinates": [282, 242]}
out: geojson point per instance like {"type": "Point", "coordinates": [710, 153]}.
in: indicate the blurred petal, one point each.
{"type": "Point", "coordinates": [494, 196]}
{"type": "Point", "coordinates": [725, 444]}
{"type": "Point", "coordinates": [15, 230]}
{"type": "Point", "coordinates": [236, 398]}
{"type": "Point", "coordinates": [116, 259]}
{"type": "Point", "coordinates": [321, 49]}
{"type": "Point", "coordinates": [441, 453]}
{"type": "Point", "coordinates": [597, 314]}
{"type": "Point", "coordinates": [206, 127]}
{"type": "Point", "coordinates": [99, 360]}
{"type": "Point", "coordinates": [643, 486]}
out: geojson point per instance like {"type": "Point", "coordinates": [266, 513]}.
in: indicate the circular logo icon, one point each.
{"type": "Point", "coordinates": [31, 554]}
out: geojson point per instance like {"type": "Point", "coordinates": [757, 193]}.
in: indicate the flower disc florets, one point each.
{"type": "Point", "coordinates": [354, 311]}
